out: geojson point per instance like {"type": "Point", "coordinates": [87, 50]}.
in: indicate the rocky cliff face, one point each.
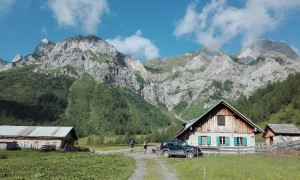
{"type": "Point", "coordinates": [88, 55]}
{"type": "Point", "coordinates": [209, 75]}
{"type": "Point", "coordinates": [205, 75]}
{"type": "Point", "coordinates": [4, 65]}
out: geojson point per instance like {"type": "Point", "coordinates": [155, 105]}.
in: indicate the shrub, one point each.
{"type": "Point", "coordinates": [2, 156]}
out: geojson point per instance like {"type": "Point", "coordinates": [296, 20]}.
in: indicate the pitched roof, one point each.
{"type": "Point", "coordinates": [188, 124]}
{"type": "Point", "coordinates": [284, 129]}
{"type": "Point", "coordinates": [36, 131]}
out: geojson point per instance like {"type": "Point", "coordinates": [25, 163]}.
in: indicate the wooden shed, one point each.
{"type": "Point", "coordinates": [281, 133]}
{"type": "Point", "coordinates": [222, 129]}
{"type": "Point", "coordinates": [37, 136]}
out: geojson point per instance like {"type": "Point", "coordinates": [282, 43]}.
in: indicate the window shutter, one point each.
{"type": "Point", "coordinates": [218, 141]}
{"type": "Point", "coordinates": [244, 141]}
{"type": "Point", "coordinates": [199, 140]}
{"type": "Point", "coordinates": [208, 140]}
{"type": "Point", "coordinates": [227, 141]}
{"type": "Point", "coordinates": [235, 141]}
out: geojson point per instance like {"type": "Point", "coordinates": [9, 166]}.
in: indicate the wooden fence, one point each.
{"type": "Point", "coordinates": [279, 146]}
{"type": "Point", "coordinates": [260, 147]}
{"type": "Point", "coordinates": [227, 150]}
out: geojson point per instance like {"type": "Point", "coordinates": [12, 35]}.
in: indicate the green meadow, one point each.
{"type": "Point", "coordinates": [31, 164]}
{"type": "Point", "coordinates": [237, 167]}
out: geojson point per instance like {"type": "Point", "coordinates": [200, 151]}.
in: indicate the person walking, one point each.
{"type": "Point", "coordinates": [132, 143]}
{"type": "Point", "coordinates": [145, 146]}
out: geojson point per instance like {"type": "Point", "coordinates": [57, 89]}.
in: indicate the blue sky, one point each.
{"type": "Point", "coordinates": [147, 29]}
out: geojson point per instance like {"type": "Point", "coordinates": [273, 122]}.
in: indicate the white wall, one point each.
{"type": "Point", "coordinates": [193, 138]}
{"type": "Point", "coordinates": [35, 144]}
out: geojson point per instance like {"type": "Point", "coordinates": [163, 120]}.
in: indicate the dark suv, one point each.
{"type": "Point", "coordinates": [178, 148]}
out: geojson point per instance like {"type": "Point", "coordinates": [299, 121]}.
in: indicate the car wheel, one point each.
{"type": "Point", "coordinates": [189, 154]}
{"type": "Point", "coordinates": [166, 154]}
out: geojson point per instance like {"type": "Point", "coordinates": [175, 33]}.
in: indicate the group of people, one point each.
{"type": "Point", "coordinates": [132, 143]}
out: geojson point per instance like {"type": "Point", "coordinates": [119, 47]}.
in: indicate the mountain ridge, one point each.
{"type": "Point", "coordinates": [179, 81]}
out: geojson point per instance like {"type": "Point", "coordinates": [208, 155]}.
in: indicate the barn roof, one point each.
{"type": "Point", "coordinates": [188, 124]}
{"type": "Point", "coordinates": [36, 131]}
{"type": "Point", "coordinates": [283, 129]}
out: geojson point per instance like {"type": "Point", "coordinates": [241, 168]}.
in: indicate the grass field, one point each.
{"type": "Point", "coordinates": [238, 167]}
{"type": "Point", "coordinates": [32, 164]}
{"type": "Point", "coordinates": [82, 142]}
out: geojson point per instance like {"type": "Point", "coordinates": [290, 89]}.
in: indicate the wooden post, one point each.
{"type": "Point", "coordinates": [204, 176]}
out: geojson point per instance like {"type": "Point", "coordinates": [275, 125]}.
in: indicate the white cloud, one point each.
{"type": "Point", "coordinates": [6, 6]}
{"type": "Point", "coordinates": [188, 23]}
{"type": "Point", "coordinates": [136, 46]}
{"type": "Point", "coordinates": [79, 13]}
{"type": "Point", "coordinates": [218, 23]}
{"type": "Point", "coordinates": [44, 31]}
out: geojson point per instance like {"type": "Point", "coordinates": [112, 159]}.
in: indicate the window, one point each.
{"type": "Point", "coordinates": [240, 141]}
{"type": "Point", "coordinates": [222, 140]}
{"type": "Point", "coordinates": [177, 144]}
{"type": "Point", "coordinates": [164, 144]}
{"type": "Point", "coordinates": [221, 120]}
{"type": "Point", "coordinates": [171, 144]}
{"type": "Point", "coordinates": [204, 140]}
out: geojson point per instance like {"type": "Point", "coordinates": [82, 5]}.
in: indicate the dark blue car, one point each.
{"type": "Point", "coordinates": [178, 148]}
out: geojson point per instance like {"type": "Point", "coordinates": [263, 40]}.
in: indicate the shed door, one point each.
{"type": "Point", "coordinates": [271, 140]}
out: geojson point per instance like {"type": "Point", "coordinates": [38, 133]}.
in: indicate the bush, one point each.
{"type": "Point", "coordinates": [2, 156]}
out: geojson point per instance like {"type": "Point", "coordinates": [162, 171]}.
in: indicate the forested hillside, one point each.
{"type": "Point", "coordinates": [28, 98]}
{"type": "Point", "coordinates": [276, 103]}
{"type": "Point", "coordinates": [93, 108]}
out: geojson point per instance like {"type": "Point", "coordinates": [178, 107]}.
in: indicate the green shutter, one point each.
{"type": "Point", "coordinates": [244, 141]}
{"type": "Point", "coordinates": [235, 141]}
{"type": "Point", "coordinates": [199, 140]}
{"type": "Point", "coordinates": [227, 141]}
{"type": "Point", "coordinates": [218, 140]}
{"type": "Point", "coordinates": [208, 140]}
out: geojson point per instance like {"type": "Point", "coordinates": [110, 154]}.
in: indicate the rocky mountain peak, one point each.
{"type": "Point", "coordinates": [209, 52]}
{"type": "Point", "coordinates": [90, 43]}
{"type": "Point", "coordinates": [44, 47]}
{"type": "Point", "coordinates": [17, 58]}
{"type": "Point", "coordinates": [266, 45]}
{"type": "Point", "coordinates": [2, 61]}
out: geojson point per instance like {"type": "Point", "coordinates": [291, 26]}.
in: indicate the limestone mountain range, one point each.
{"type": "Point", "coordinates": [192, 80]}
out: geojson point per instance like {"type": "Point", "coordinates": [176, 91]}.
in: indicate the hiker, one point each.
{"type": "Point", "coordinates": [145, 146]}
{"type": "Point", "coordinates": [132, 142]}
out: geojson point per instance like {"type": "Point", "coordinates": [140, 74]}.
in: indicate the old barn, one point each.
{"type": "Point", "coordinates": [62, 138]}
{"type": "Point", "coordinates": [281, 133]}
{"type": "Point", "coordinates": [222, 129]}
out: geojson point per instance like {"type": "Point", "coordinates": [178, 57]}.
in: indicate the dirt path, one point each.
{"type": "Point", "coordinates": [141, 163]}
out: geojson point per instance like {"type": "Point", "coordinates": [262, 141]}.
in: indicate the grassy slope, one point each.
{"type": "Point", "coordinates": [194, 110]}
{"type": "Point", "coordinates": [165, 65]}
{"type": "Point", "coordinates": [28, 98]}
{"type": "Point", "coordinates": [97, 108]}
